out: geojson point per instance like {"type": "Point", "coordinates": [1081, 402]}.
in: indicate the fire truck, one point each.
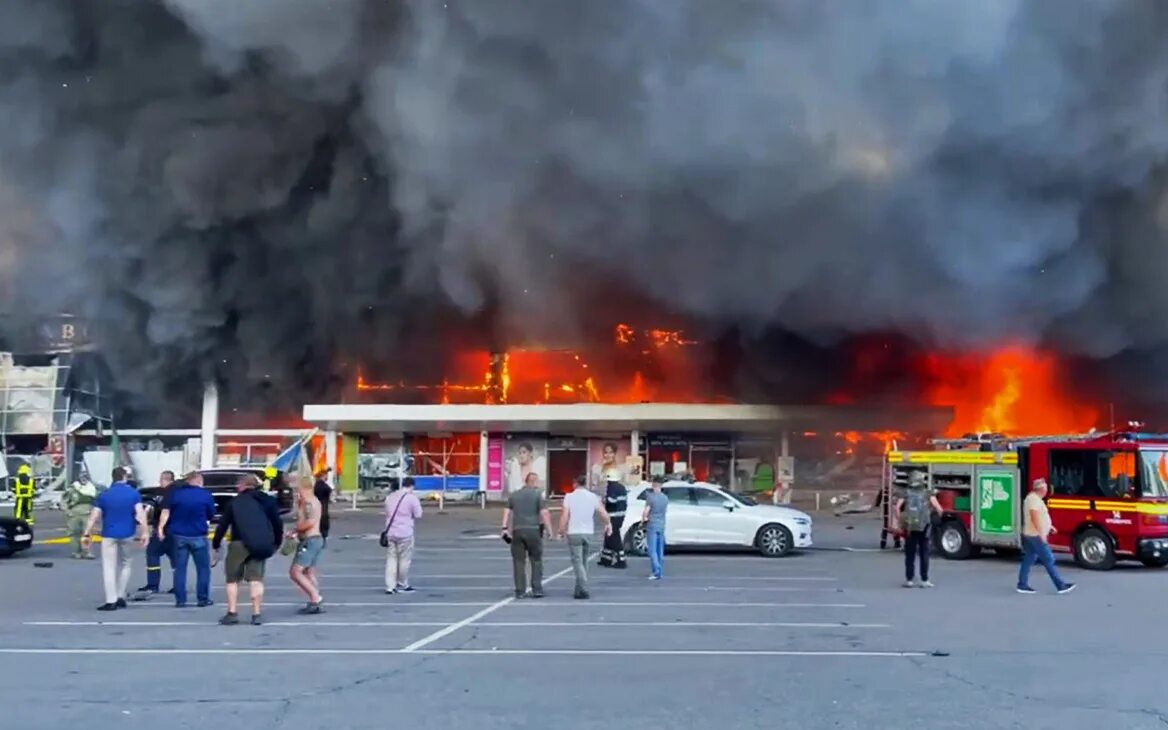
{"type": "Point", "coordinates": [1108, 493]}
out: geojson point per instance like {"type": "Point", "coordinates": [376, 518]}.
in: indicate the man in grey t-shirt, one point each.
{"type": "Point", "coordinates": [525, 520]}
{"type": "Point", "coordinates": [653, 517]}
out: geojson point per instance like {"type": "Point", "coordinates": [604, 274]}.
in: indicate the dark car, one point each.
{"type": "Point", "coordinates": [15, 535]}
{"type": "Point", "coordinates": [222, 484]}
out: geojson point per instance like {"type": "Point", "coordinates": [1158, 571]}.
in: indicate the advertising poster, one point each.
{"type": "Point", "coordinates": [605, 455]}
{"type": "Point", "coordinates": [522, 455]}
{"type": "Point", "coordinates": [495, 463]}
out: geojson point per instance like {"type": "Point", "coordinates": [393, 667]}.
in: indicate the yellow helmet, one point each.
{"type": "Point", "coordinates": [271, 472]}
{"type": "Point", "coordinates": [24, 469]}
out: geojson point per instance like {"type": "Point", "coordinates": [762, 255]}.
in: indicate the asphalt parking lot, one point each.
{"type": "Point", "coordinates": [825, 639]}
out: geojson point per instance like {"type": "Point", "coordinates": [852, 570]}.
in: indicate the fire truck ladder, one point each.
{"type": "Point", "coordinates": [988, 442]}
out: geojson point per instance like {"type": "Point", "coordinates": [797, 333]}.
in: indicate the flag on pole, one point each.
{"type": "Point", "coordinates": [295, 457]}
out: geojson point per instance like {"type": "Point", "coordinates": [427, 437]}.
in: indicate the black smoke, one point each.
{"type": "Point", "coordinates": [270, 191]}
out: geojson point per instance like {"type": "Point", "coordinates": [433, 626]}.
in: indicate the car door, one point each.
{"type": "Point", "coordinates": [717, 525]}
{"type": "Point", "coordinates": [680, 517]}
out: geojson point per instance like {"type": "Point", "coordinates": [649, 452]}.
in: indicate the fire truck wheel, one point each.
{"type": "Point", "coordinates": [1094, 549]}
{"type": "Point", "coordinates": [637, 540]}
{"type": "Point", "coordinates": [953, 540]}
{"type": "Point", "coordinates": [774, 541]}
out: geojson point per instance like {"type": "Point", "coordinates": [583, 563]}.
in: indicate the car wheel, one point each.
{"type": "Point", "coordinates": [953, 540]}
{"type": "Point", "coordinates": [774, 541]}
{"type": "Point", "coordinates": [1094, 549]}
{"type": "Point", "coordinates": [637, 540]}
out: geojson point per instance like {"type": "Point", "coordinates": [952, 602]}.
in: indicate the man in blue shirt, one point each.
{"type": "Point", "coordinates": [186, 517]}
{"type": "Point", "coordinates": [653, 516]}
{"type": "Point", "coordinates": [123, 517]}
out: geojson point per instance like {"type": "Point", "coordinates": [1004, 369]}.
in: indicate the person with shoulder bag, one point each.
{"type": "Point", "coordinates": [402, 509]}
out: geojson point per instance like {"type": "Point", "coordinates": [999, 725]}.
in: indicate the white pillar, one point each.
{"type": "Point", "coordinates": [207, 446]}
{"type": "Point", "coordinates": [635, 451]}
{"type": "Point", "coordinates": [484, 466]}
{"type": "Point", "coordinates": [330, 456]}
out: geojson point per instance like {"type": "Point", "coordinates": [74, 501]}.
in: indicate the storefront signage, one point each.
{"type": "Point", "coordinates": [495, 464]}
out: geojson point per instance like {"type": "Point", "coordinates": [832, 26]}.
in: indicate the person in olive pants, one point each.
{"type": "Point", "coordinates": [525, 521]}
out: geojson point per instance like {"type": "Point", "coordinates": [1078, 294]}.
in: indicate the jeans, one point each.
{"type": "Point", "coordinates": [155, 550]}
{"type": "Point", "coordinates": [197, 548]}
{"type": "Point", "coordinates": [1034, 550]}
{"type": "Point", "coordinates": [656, 537]}
{"type": "Point", "coordinates": [578, 551]}
{"type": "Point", "coordinates": [916, 544]}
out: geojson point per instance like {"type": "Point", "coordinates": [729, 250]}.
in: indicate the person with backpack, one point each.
{"type": "Point", "coordinates": [253, 517]}
{"type": "Point", "coordinates": [915, 508]}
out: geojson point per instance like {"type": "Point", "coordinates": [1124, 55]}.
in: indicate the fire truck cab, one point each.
{"type": "Point", "coordinates": [1108, 496]}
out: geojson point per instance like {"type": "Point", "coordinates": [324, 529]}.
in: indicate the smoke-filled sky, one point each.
{"type": "Point", "coordinates": [265, 188]}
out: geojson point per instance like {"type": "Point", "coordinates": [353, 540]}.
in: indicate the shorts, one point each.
{"type": "Point", "coordinates": [308, 555]}
{"type": "Point", "coordinates": [241, 566]}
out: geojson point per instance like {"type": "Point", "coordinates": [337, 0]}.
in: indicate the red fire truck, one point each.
{"type": "Point", "coordinates": [1108, 494]}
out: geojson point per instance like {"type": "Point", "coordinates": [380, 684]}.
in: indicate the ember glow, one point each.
{"type": "Point", "coordinates": [1013, 391]}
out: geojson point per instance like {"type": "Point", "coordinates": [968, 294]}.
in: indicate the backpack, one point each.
{"type": "Point", "coordinates": [248, 512]}
{"type": "Point", "coordinates": [915, 515]}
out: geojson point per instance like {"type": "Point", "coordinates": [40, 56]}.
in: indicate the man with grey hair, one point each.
{"type": "Point", "coordinates": [1036, 532]}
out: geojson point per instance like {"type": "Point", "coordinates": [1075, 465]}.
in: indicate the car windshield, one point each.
{"type": "Point", "coordinates": [1154, 473]}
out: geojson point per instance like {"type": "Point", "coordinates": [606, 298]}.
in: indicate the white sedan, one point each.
{"type": "Point", "coordinates": [703, 514]}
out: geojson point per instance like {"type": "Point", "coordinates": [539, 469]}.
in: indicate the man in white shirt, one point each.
{"type": "Point", "coordinates": [576, 522]}
{"type": "Point", "coordinates": [1036, 532]}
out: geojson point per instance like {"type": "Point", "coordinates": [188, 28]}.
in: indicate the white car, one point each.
{"type": "Point", "coordinates": [703, 514]}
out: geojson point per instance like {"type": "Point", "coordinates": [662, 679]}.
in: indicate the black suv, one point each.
{"type": "Point", "coordinates": [222, 484]}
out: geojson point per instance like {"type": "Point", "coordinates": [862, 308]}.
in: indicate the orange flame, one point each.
{"type": "Point", "coordinates": [1013, 391]}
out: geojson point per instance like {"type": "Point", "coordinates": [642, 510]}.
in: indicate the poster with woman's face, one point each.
{"type": "Point", "coordinates": [605, 455]}
{"type": "Point", "coordinates": [522, 456]}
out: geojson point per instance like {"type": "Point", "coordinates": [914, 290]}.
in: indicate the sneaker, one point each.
{"type": "Point", "coordinates": [580, 595]}
{"type": "Point", "coordinates": [180, 605]}
{"type": "Point", "coordinates": [108, 607]}
{"type": "Point", "coordinates": [204, 604]}
{"type": "Point", "coordinates": [1025, 589]}
{"type": "Point", "coordinates": [311, 610]}
{"type": "Point", "coordinates": [256, 620]}
{"type": "Point", "coordinates": [537, 594]}
{"type": "Point", "coordinates": [1067, 588]}
{"type": "Point", "coordinates": [927, 584]}
{"type": "Point", "coordinates": [654, 577]}
{"type": "Point", "coordinates": [121, 603]}
{"type": "Point", "coordinates": [909, 584]}
{"type": "Point", "coordinates": [406, 589]}
{"type": "Point", "coordinates": [520, 595]}
{"type": "Point", "coordinates": [391, 591]}
{"type": "Point", "coordinates": [230, 619]}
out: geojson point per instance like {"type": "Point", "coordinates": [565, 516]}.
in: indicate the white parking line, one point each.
{"type": "Point", "coordinates": [388, 602]}
{"type": "Point", "coordinates": [209, 623]}
{"type": "Point", "coordinates": [494, 624]}
{"type": "Point", "coordinates": [702, 604]}
{"type": "Point", "coordinates": [468, 652]}
{"type": "Point", "coordinates": [441, 633]}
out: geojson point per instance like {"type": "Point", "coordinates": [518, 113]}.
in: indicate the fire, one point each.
{"type": "Point", "coordinates": [1013, 390]}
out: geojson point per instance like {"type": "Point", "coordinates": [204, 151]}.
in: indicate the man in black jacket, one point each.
{"type": "Point", "coordinates": [616, 501]}
{"type": "Point", "coordinates": [256, 533]}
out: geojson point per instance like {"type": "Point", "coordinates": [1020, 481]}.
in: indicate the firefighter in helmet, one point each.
{"type": "Point", "coordinates": [271, 475]}
{"type": "Point", "coordinates": [24, 487]}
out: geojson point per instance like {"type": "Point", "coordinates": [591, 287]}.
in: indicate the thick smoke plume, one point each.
{"type": "Point", "coordinates": [262, 189]}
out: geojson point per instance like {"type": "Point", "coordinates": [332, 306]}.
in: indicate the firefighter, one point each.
{"type": "Point", "coordinates": [271, 475]}
{"type": "Point", "coordinates": [24, 487]}
{"type": "Point", "coordinates": [616, 501]}
{"type": "Point", "coordinates": [79, 498]}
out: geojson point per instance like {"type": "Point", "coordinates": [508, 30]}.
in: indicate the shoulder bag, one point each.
{"type": "Point", "coordinates": [385, 533]}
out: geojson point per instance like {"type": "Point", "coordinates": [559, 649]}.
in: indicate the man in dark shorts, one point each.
{"type": "Point", "coordinates": [256, 533]}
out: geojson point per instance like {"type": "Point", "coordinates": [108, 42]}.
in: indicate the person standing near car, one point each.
{"type": "Point", "coordinates": [303, 571]}
{"type": "Point", "coordinates": [253, 518]}
{"type": "Point", "coordinates": [1036, 532]}
{"type": "Point", "coordinates": [402, 509]}
{"type": "Point", "coordinates": [186, 518]}
{"type": "Point", "coordinates": [653, 517]}
{"type": "Point", "coordinates": [525, 520]}
{"type": "Point", "coordinates": [616, 501]}
{"type": "Point", "coordinates": [160, 543]}
{"type": "Point", "coordinates": [122, 516]}
{"type": "Point", "coordinates": [576, 522]}
{"type": "Point", "coordinates": [916, 507]}
{"type": "Point", "coordinates": [79, 499]}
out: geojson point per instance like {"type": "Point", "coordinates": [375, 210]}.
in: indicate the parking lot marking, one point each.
{"type": "Point", "coordinates": [441, 633]}
{"type": "Point", "coordinates": [209, 623]}
{"type": "Point", "coordinates": [703, 604]}
{"type": "Point", "coordinates": [397, 602]}
{"type": "Point", "coordinates": [496, 624]}
{"type": "Point", "coordinates": [469, 652]}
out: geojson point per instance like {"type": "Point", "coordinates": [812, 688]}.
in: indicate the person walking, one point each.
{"type": "Point", "coordinates": [253, 518]}
{"type": "Point", "coordinates": [303, 570]}
{"type": "Point", "coordinates": [78, 502]}
{"type": "Point", "coordinates": [616, 501]}
{"type": "Point", "coordinates": [186, 518]}
{"type": "Point", "coordinates": [160, 543]}
{"type": "Point", "coordinates": [915, 509]}
{"type": "Point", "coordinates": [402, 509]}
{"type": "Point", "coordinates": [123, 517]}
{"type": "Point", "coordinates": [525, 521]}
{"type": "Point", "coordinates": [653, 517]}
{"type": "Point", "coordinates": [1036, 532]}
{"type": "Point", "coordinates": [576, 522]}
